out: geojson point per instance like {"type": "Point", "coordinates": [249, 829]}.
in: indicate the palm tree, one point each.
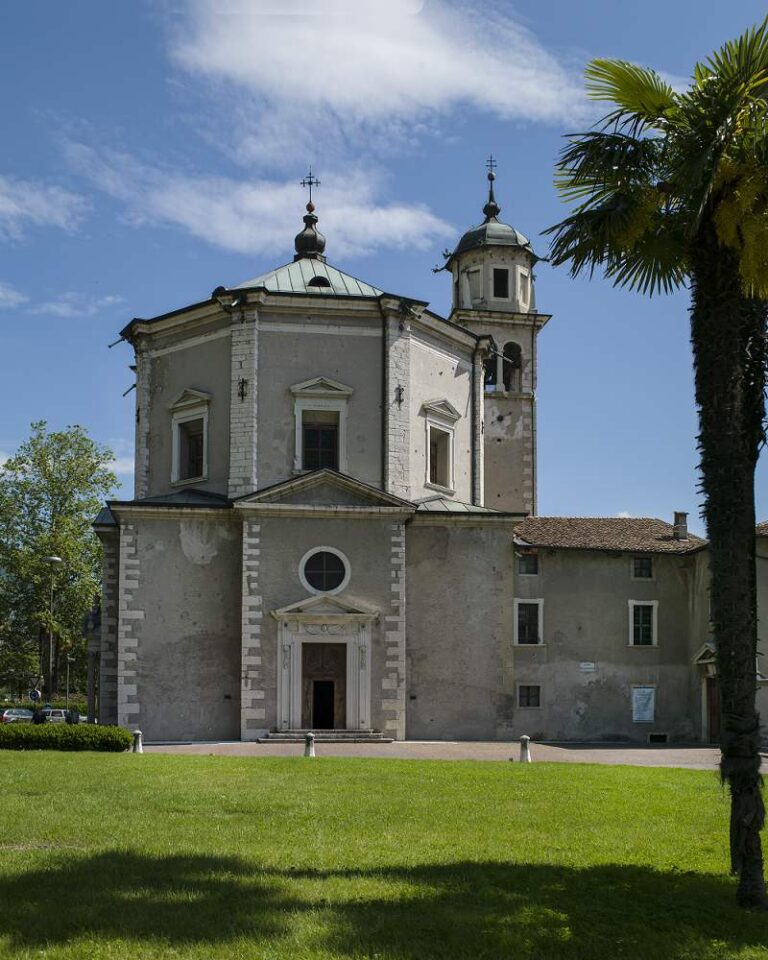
{"type": "Point", "coordinates": [671, 189]}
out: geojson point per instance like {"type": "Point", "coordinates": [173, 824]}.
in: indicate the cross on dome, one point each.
{"type": "Point", "coordinates": [491, 209]}
{"type": "Point", "coordinates": [310, 243]}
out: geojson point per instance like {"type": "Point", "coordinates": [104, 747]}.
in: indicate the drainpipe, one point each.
{"type": "Point", "coordinates": [533, 414]}
{"type": "Point", "coordinates": [384, 401]}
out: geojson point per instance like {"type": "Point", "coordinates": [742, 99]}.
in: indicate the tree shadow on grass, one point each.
{"type": "Point", "coordinates": [456, 910]}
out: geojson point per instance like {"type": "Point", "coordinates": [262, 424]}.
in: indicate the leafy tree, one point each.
{"type": "Point", "coordinates": [670, 190]}
{"type": "Point", "coordinates": [50, 491]}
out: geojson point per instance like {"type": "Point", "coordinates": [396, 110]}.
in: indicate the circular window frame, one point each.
{"type": "Point", "coordinates": [324, 593]}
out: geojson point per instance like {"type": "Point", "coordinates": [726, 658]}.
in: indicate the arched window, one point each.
{"type": "Point", "coordinates": [490, 374]}
{"type": "Point", "coordinates": [512, 367]}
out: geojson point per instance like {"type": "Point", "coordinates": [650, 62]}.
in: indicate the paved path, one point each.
{"type": "Point", "coordinates": [693, 757]}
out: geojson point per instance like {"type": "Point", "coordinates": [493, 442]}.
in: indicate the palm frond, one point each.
{"type": "Point", "coordinates": [643, 98]}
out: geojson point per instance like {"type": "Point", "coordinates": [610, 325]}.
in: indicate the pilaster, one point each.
{"type": "Point", "coordinates": [397, 433]}
{"type": "Point", "coordinates": [393, 678]}
{"type": "Point", "coordinates": [143, 401]}
{"type": "Point", "coordinates": [108, 636]}
{"type": "Point", "coordinates": [129, 624]}
{"type": "Point", "coordinates": [252, 692]}
{"type": "Point", "coordinates": [243, 403]}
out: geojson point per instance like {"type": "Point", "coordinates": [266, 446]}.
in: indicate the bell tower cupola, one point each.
{"type": "Point", "coordinates": [493, 295]}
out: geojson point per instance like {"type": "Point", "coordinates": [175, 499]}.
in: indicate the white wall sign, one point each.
{"type": "Point", "coordinates": [587, 666]}
{"type": "Point", "coordinates": [643, 704]}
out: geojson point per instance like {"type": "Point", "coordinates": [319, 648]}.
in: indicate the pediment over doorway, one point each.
{"type": "Point", "coordinates": [325, 607]}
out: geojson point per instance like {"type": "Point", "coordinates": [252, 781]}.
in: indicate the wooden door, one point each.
{"type": "Point", "coordinates": [323, 662]}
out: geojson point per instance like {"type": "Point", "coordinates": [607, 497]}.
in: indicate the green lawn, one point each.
{"type": "Point", "coordinates": [125, 856]}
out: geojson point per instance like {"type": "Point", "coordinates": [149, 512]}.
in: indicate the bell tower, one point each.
{"type": "Point", "coordinates": [494, 295]}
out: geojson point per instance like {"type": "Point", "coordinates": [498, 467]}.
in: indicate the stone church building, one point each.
{"type": "Point", "coordinates": [334, 528]}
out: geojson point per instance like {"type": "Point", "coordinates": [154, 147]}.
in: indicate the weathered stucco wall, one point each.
{"type": "Point", "coordinates": [186, 603]}
{"type": "Point", "coordinates": [368, 546]}
{"type": "Point", "coordinates": [174, 365]}
{"type": "Point", "coordinates": [343, 350]}
{"type": "Point", "coordinates": [459, 625]}
{"type": "Point", "coordinates": [586, 666]}
{"type": "Point", "coordinates": [440, 371]}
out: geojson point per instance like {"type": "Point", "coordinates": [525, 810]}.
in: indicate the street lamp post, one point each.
{"type": "Point", "coordinates": [69, 660]}
{"type": "Point", "coordinates": [53, 561]}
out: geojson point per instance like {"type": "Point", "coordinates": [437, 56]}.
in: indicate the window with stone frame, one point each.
{"type": "Point", "coordinates": [642, 568]}
{"type": "Point", "coordinates": [512, 367]}
{"type": "Point", "coordinates": [528, 563]}
{"type": "Point", "coordinates": [191, 449]}
{"type": "Point", "coordinates": [439, 457]}
{"type": "Point", "coordinates": [643, 624]}
{"type": "Point", "coordinates": [528, 622]}
{"type": "Point", "coordinates": [490, 373]}
{"type": "Point", "coordinates": [529, 695]}
{"type": "Point", "coordinates": [320, 439]}
{"type": "Point", "coordinates": [500, 283]}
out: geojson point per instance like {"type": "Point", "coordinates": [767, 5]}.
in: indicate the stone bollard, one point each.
{"type": "Point", "coordinates": [525, 753]}
{"type": "Point", "coordinates": [309, 745]}
{"type": "Point", "coordinates": [138, 746]}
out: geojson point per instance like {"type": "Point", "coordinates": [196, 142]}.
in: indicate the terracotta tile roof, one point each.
{"type": "Point", "coordinates": [635, 534]}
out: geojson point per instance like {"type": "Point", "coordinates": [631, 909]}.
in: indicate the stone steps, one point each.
{"type": "Point", "coordinates": [326, 736]}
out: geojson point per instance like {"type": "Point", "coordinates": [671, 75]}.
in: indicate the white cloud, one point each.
{"type": "Point", "coordinates": [10, 296]}
{"type": "Point", "coordinates": [338, 67]}
{"type": "Point", "coordinates": [123, 465]}
{"type": "Point", "coordinates": [26, 203]}
{"type": "Point", "coordinates": [76, 305]}
{"type": "Point", "coordinates": [624, 515]}
{"type": "Point", "coordinates": [258, 215]}
{"type": "Point", "coordinates": [123, 458]}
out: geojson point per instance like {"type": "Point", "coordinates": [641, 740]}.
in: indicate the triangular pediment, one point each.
{"type": "Point", "coordinates": [321, 387]}
{"type": "Point", "coordinates": [325, 488]}
{"type": "Point", "coordinates": [189, 397]}
{"type": "Point", "coordinates": [705, 654]}
{"type": "Point", "coordinates": [326, 606]}
{"type": "Point", "coordinates": [441, 408]}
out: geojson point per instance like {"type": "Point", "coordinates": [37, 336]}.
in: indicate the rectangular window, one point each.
{"type": "Point", "coordinates": [643, 616]}
{"type": "Point", "coordinates": [191, 438]}
{"type": "Point", "coordinates": [439, 457]}
{"type": "Point", "coordinates": [529, 695]}
{"type": "Point", "coordinates": [528, 564]}
{"type": "Point", "coordinates": [528, 625]}
{"type": "Point", "coordinates": [320, 439]}
{"type": "Point", "coordinates": [500, 284]}
{"type": "Point", "coordinates": [642, 568]}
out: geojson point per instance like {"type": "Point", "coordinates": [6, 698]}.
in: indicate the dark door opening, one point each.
{"type": "Point", "coordinates": [324, 686]}
{"type": "Point", "coordinates": [322, 704]}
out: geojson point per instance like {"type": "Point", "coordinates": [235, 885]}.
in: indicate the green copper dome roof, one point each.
{"type": "Point", "coordinates": [491, 232]}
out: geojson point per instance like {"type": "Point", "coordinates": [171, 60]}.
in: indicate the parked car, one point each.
{"type": "Point", "coordinates": [54, 715]}
{"type": "Point", "coordinates": [16, 715]}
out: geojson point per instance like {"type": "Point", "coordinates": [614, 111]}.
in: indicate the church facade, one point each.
{"type": "Point", "coordinates": [334, 528]}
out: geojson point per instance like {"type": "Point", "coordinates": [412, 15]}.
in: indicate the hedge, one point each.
{"type": "Point", "coordinates": [64, 736]}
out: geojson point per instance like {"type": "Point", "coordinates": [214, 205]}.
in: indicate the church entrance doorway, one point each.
{"type": "Point", "coordinates": [324, 686]}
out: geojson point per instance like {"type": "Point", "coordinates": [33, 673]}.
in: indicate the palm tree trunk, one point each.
{"type": "Point", "coordinates": [729, 349]}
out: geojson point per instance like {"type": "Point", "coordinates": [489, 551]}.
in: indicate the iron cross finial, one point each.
{"type": "Point", "coordinates": [491, 164]}
{"type": "Point", "coordinates": [310, 181]}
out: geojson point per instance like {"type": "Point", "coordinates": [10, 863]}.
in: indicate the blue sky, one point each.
{"type": "Point", "coordinates": [153, 151]}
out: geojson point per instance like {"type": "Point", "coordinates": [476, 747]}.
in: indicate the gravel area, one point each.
{"type": "Point", "coordinates": [694, 757]}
